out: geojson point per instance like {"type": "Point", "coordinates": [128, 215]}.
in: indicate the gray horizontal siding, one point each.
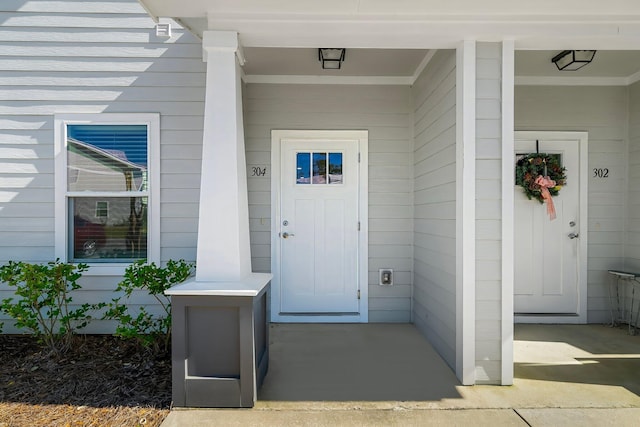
{"type": "Point", "coordinates": [632, 249]}
{"type": "Point", "coordinates": [602, 112]}
{"type": "Point", "coordinates": [434, 212]}
{"type": "Point", "coordinates": [632, 231]}
{"type": "Point", "coordinates": [386, 113]}
{"type": "Point", "coordinates": [93, 57]}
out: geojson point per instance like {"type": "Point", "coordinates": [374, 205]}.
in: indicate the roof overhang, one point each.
{"type": "Point", "coordinates": [422, 24]}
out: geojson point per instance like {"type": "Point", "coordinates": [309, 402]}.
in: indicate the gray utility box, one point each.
{"type": "Point", "coordinates": [220, 342]}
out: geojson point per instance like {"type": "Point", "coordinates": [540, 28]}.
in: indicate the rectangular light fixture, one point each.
{"type": "Point", "coordinates": [572, 60]}
{"type": "Point", "coordinates": [331, 58]}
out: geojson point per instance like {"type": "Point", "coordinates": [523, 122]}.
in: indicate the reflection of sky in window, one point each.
{"type": "Point", "coordinates": [335, 168]}
{"type": "Point", "coordinates": [316, 163]}
{"type": "Point", "coordinates": [335, 162]}
{"type": "Point", "coordinates": [130, 139]}
{"type": "Point", "coordinates": [303, 168]}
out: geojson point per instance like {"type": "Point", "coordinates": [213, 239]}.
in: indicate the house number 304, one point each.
{"type": "Point", "coordinates": [601, 172]}
{"type": "Point", "coordinates": [258, 171]}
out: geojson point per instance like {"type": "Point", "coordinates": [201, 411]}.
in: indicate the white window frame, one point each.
{"type": "Point", "coordinates": [61, 121]}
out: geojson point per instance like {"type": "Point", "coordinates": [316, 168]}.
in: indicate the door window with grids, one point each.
{"type": "Point", "coordinates": [318, 168]}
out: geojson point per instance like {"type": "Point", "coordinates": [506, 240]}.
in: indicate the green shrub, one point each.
{"type": "Point", "coordinates": [43, 300]}
{"type": "Point", "coordinates": [149, 331]}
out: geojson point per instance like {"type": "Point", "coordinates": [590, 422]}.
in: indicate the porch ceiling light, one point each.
{"type": "Point", "coordinates": [331, 58]}
{"type": "Point", "coordinates": [572, 60]}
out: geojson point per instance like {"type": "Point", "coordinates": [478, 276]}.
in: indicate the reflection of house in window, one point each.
{"type": "Point", "coordinates": [73, 176]}
{"type": "Point", "coordinates": [107, 191]}
{"type": "Point", "coordinates": [102, 209]}
{"type": "Point", "coordinates": [96, 169]}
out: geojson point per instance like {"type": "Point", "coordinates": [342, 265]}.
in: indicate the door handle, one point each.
{"type": "Point", "coordinates": [573, 235]}
{"type": "Point", "coordinates": [286, 235]}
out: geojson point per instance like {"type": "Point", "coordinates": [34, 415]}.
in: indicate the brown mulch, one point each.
{"type": "Point", "coordinates": [101, 381]}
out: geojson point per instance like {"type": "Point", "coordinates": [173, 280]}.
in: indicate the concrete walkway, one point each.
{"type": "Point", "coordinates": [386, 375]}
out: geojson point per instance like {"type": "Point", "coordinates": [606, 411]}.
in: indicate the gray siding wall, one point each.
{"type": "Point", "coordinates": [488, 212]}
{"type": "Point", "coordinates": [603, 112]}
{"type": "Point", "coordinates": [632, 244]}
{"type": "Point", "coordinates": [385, 111]}
{"type": "Point", "coordinates": [93, 57]}
{"type": "Point", "coordinates": [434, 171]}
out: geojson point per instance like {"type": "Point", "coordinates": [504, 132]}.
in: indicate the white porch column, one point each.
{"type": "Point", "coordinates": [223, 272]}
{"type": "Point", "coordinates": [508, 209]}
{"type": "Point", "coordinates": [466, 212]}
{"type": "Point", "coordinates": [223, 252]}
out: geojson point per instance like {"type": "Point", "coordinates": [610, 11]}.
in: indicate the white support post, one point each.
{"type": "Point", "coordinates": [466, 212]}
{"type": "Point", "coordinates": [508, 209]}
{"type": "Point", "coordinates": [223, 228]}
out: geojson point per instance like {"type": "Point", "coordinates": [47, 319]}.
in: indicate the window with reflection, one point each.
{"type": "Point", "coordinates": [107, 191]}
{"type": "Point", "coordinates": [319, 168]}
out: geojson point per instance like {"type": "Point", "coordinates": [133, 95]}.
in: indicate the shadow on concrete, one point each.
{"type": "Point", "coordinates": [621, 372]}
{"type": "Point", "coordinates": [354, 362]}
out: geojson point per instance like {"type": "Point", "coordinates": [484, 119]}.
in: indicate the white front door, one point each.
{"type": "Point", "coordinates": [316, 229]}
{"type": "Point", "coordinates": [548, 258]}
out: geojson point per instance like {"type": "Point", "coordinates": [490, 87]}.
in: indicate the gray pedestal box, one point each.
{"type": "Point", "coordinates": [220, 342]}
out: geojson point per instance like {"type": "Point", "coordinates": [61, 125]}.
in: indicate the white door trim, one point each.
{"type": "Point", "coordinates": [363, 214]}
{"type": "Point", "coordinates": [581, 316]}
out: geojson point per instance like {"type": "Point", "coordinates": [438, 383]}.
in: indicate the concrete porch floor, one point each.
{"type": "Point", "coordinates": [388, 374]}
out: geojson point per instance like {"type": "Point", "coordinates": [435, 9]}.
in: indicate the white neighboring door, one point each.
{"type": "Point", "coordinates": [549, 259]}
{"type": "Point", "coordinates": [317, 227]}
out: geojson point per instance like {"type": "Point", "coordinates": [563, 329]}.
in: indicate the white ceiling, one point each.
{"type": "Point", "coordinates": [405, 62]}
{"type": "Point", "coordinates": [357, 62]}
{"type": "Point", "coordinates": [390, 38]}
{"type": "Point", "coordinates": [606, 63]}
{"type": "Point", "coordinates": [577, 9]}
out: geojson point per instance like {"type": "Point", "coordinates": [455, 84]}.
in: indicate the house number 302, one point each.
{"type": "Point", "coordinates": [601, 172]}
